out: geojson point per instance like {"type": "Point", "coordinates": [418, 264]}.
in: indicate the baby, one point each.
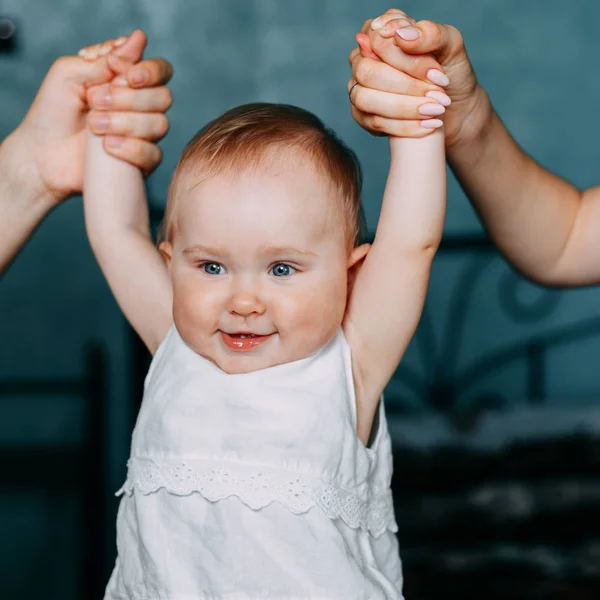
{"type": "Point", "coordinates": [261, 461]}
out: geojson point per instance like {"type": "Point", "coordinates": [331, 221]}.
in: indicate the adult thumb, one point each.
{"type": "Point", "coordinates": [426, 37]}
{"type": "Point", "coordinates": [74, 69]}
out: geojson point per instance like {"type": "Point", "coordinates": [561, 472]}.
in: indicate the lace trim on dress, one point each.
{"type": "Point", "coordinates": [258, 487]}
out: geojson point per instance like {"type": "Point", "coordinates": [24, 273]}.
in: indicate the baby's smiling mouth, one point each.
{"type": "Point", "coordinates": [243, 341]}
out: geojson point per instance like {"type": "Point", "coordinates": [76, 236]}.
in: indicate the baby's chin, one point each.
{"type": "Point", "coordinates": [239, 364]}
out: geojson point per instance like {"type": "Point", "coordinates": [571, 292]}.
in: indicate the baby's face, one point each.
{"type": "Point", "coordinates": [259, 264]}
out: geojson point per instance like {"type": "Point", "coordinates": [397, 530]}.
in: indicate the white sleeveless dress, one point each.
{"type": "Point", "coordinates": [255, 485]}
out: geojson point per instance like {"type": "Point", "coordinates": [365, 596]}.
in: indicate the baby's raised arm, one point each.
{"type": "Point", "coordinates": [390, 287]}
{"type": "Point", "coordinates": [118, 227]}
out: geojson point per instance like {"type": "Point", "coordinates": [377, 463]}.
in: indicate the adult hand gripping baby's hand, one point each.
{"type": "Point", "coordinates": [415, 62]}
{"type": "Point", "coordinates": [129, 110]}
{"type": "Point", "coordinates": [47, 150]}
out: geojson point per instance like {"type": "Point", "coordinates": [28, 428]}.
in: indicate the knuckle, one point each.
{"type": "Point", "coordinates": [358, 98]}
{"type": "Point", "coordinates": [168, 101]}
{"type": "Point", "coordinates": [434, 30]}
{"type": "Point", "coordinates": [62, 65]}
{"type": "Point", "coordinates": [376, 123]}
{"type": "Point", "coordinates": [362, 71]}
{"type": "Point", "coordinates": [457, 36]}
{"type": "Point", "coordinates": [155, 156]}
{"type": "Point", "coordinates": [162, 125]}
{"type": "Point", "coordinates": [357, 114]}
{"type": "Point", "coordinates": [149, 157]}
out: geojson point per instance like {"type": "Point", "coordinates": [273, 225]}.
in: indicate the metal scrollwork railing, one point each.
{"type": "Point", "coordinates": [446, 382]}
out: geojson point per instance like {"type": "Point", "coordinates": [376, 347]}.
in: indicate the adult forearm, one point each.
{"type": "Point", "coordinates": [23, 204]}
{"type": "Point", "coordinates": [528, 212]}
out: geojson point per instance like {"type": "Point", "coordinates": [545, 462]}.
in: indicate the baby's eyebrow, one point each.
{"type": "Point", "coordinates": [267, 251]}
{"type": "Point", "coordinates": [199, 249]}
{"type": "Point", "coordinates": [286, 251]}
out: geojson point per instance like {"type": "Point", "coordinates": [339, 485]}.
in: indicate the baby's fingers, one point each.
{"type": "Point", "coordinates": [387, 29]}
{"type": "Point", "coordinates": [388, 16]}
{"type": "Point", "coordinates": [97, 50]}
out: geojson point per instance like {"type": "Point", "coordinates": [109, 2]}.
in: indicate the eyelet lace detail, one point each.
{"type": "Point", "coordinates": [258, 486]}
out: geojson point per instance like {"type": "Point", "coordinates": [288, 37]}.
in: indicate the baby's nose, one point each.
{"type": "Point", "coordinates": [245, 303]}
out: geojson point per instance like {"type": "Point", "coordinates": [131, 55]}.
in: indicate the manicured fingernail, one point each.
{"type": "Point", "coordinates": [437, 77]}
{"type": "Point", "coordinates": [114, 141]}
{"type": "Point", "coordinates": [440, 97]}
{"type": "Point", "coordinates": [99, 122]}
{"type": "Point", "coordinates": [121, 40]}
{"type": "Point", "coordinates": [376, 23]}
{"type": "Point", "coordinates": [431, 123]}
{"type": "Point", "coordinates": [410, 34]}
{"type": "Point", "coordinates": [138, 76]}
{"type": "Point", "coordinates": [101, 98]}
{"type": "Point", "coordinates": [388, 27]}
{"type": "Point", "coordinates": [431, 109]}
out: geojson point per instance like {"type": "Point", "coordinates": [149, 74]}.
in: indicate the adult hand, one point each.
{"type": "Point", "coordinates": [417, 44]}
{"type": "Point", "coordinates": [45, 154]}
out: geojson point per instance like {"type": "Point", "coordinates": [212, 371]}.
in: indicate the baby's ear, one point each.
{"type": "Point", "coordinates": [166, 249]}
{"type": "Point", "coordinates": [355, 261]}
{"type": "Point", "coordinates": [357, 255]}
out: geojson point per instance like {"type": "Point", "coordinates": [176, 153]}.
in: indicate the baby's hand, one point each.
{"type": "Point", "coordinates": [394, 93]}
{"type": "Point", "coordinates": [129, 111]}
{"type": "Point", "coordinates": [97, 50]}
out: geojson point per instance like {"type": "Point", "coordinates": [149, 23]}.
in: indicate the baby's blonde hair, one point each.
{"type": "Point", "coordinates": [240, 140]}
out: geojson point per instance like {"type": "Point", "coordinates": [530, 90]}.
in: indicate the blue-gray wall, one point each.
{"type": "Point", "coordinates": [536, 59]}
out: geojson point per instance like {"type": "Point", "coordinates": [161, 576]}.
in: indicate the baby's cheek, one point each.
{"type": "Point", "coordinates": [320, 311]}
{"type": "Point", "coordinates": [193, 305]}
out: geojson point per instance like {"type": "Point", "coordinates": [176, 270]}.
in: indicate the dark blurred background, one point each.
{"type": "Point", "coordinates": [495, 410]}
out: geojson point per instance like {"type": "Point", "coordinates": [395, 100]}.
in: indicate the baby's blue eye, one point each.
{"type": "Point", "coordinates": [213, 268]}
{"type": "Point", "coordinates": [282, 270]}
